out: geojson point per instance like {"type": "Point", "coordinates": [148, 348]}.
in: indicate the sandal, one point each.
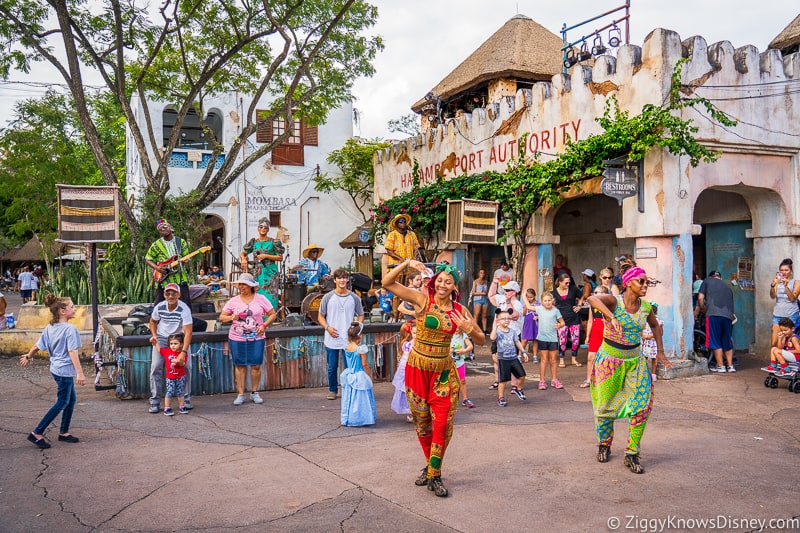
{"type": "Point", "coordinates": [576, 363]}
{"type": "Point", "coordinates": [603, 453]}
{"type": "Point", "coordinates": [561, 364]}
{"type": "Point", "coordinates": [585, 384]}
{"type": "Point", "coordinates": [493, 386]}
{"type": "Point", "coordinates": [409, 419]}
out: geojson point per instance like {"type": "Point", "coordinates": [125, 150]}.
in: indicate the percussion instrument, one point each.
{"type": "Point", "coordinates": [310, 306]}
{"type": "Point", "coordinates": [326, 283]}
{"type": "Point", "coordinates": [360, 281]}
{"type": "Point", "coordinates": [293, 295]}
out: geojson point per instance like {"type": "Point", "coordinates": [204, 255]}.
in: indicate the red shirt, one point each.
{"type": "Point", "coordinates": [174, 370]}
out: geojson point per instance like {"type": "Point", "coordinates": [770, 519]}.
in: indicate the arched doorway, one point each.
{"type": "Point", "coordinates": [725, 244]}
{"type": "Point", "coordinates": [214, 236]}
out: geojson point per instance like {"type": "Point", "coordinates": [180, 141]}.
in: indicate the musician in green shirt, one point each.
{"type": "Point", "coordinates": [165, 251]}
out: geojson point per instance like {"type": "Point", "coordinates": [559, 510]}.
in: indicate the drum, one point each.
{"type": "Point", "coordinates": [293, 297]}
{"type": "Point", "coordinates": [326, 283]}
{"type": "Point", "coordinates": [310, 306]}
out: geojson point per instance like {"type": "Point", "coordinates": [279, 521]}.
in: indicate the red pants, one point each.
{"type": "Point", "coordinates": [433, 398]}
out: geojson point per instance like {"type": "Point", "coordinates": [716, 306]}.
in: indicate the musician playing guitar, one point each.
{"type": "Point", "coordinates": [165, 250]}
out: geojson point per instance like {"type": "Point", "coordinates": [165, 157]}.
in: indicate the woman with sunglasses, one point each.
{"type": "Point", "coordinates": [621, 385]}
{"type": "Point", "coordinates": [267, 252]}
{"type": "Point", "coordinates": [432, 383]}
{"type": "Point", "coordinates": [607, 280]}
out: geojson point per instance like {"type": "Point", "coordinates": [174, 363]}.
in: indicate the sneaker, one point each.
{"type": "Point", "coordinates": [153, 409]}
{"type": "Point", "coordinates": [770, 368]}
{"type": "Point", "coordinates": [542, 385]}
{"type": "Point", "coordinates": [331, 395]}
{"type": "Point", "coordinates": [783, 372]}
{"type": "Point", "coordinates": [535, 359]}
{"type": "Point", "coordinates": [603, 453]}
{"type": "Point", "coordinates": [435, 484]}
{"type": "Point", "coordinates": [188, 405]}
{"type": "Point", "coordinates": [632, 462]}
{"type": "Point", "coordinates": [720, 369]}
{"type": "Point", "coordinates": [422, 478]}
{"type": "Point", "coordinates": [256, 398]}
{"type": "Point", "coordinates": [183, 410]}
{"type": "Point", "coordinates": [468, 403]}
{"type": "Point", "coordinates": [168, 411]}
{"type": "Point", "coordinates": [520, 394]}
{"type": "Point", "coordinates": [653, 377]}
{"type": "Point", "coordinates": [502, 402]}
{"type": "Point", "coordinates": [731, 369]}
{"type": "Point", "coordinates": [556, 384]}
{"type": "Point", "coordinates": [239, 400]}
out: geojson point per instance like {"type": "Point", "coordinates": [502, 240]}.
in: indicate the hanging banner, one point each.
{"type": "Point", "coordinates": [88, 214]}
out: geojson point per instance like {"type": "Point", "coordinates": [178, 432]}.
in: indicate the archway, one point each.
{"type": "Point", "coordinates": [214, 235]}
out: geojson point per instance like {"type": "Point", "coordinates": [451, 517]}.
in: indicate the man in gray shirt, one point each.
{"type": "Point", "coordinates": [715, 299]}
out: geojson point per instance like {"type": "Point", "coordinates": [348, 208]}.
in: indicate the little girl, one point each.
{"type": "Point", "coordinates": [460, 345]}
{"type": "Point", "coordinates": [549, 322]}
{"type": "Point", "coordinates": [594, 332]}
{"type": "Point", "coordinates": [399, 401]}
{"type": "Point", "coordinates": [530, 327]}
{"type": "Point", "coordinates": [174, 364]}
{"type": "Point", "coordinates": [649, 347]}
{"type": "Point", "coordinates": [62, 341]}
{"type": "Point", "coordinates": [358, 402]}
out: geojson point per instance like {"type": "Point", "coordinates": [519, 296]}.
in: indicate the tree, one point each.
{"type": "Point", "coordinates": [300, 55]}
{"type": "Point", "coordinates": [43, 145]}
{"type": "Point", "coordinates": [408, 124]}
{"type": "Point", "coordinates": [357, 178]}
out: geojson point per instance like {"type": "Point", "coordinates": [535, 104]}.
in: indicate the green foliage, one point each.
{"type": "Point", "coordinates": [43, 145]}
{"type": "Point", "coordinates": [357, 175]}
{"type": "Point", "coordinates": [528, 185]}
{"type": "Point", "coordinates": [114, 286]}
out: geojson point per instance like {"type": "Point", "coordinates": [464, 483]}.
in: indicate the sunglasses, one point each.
{"type": "Point", "coordinates": [641, 281]}
{"type": "Point", "coordinates": [605, 277]}
{"type": "Point", "coordinates": [263, 226]}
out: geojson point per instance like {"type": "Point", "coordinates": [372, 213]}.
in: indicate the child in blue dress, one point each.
{"type": "Point", "coordinates": [358, 402]}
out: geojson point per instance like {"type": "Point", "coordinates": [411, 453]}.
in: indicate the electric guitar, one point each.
{"type": "Point", "coordinates": [173, 261]}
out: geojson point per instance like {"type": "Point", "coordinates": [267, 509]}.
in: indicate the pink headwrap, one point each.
{"type": "Point", "coordinates": [633, 272]}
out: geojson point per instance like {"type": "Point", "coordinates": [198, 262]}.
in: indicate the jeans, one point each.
{"type": "Point", "coordinates": [157, 375]}
{"type": "Point", "coordinates": [333, 367]}
{"type": "Point", "coordinates": [64, 402]}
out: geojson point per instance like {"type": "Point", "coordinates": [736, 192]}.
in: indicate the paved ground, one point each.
{"type": "Point", "coordinates": [719, 447]}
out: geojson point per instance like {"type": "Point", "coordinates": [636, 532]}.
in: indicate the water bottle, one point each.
{"type": "Point", "coordinates": [10, 321]}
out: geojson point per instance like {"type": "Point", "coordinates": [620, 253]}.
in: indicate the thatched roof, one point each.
{"type": "Point", "coordinates": [789, 37]}
{"type": "Point", "coordinates": [30, 252]}
{"type": "Point", "coordinates": [352, 240]}
{"type": "Point", "coordinates": [521, 48]}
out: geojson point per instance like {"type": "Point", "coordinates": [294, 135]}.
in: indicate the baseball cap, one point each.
{"type": "Point", "coordinates": [172, 287]}
{"type": "Point", "coordinates": [589, 272]}
{"type": "Point", "coordinates": [511, 286]}
{"type": "Point", "coordinates": [621, 258]}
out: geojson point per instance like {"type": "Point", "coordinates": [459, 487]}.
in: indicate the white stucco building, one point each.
{"type": "Point", "coordinates": [278, 186]}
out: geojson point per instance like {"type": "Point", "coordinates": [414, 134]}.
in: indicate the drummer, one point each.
{"type": "Point", "coordinates": [311, 269]}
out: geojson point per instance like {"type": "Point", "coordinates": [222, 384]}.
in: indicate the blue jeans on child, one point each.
{"type": "Point", "coordinates": [65, 402]}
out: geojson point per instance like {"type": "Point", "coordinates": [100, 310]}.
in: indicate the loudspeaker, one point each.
{"type": "Point", "coordinates": [360, 281]}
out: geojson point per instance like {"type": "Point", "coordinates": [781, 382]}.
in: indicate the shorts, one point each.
{"type": "Point", "coordinates": [494, 347]}
{"type": "Point", "coordinates": [462, 372]}
{"type": "Point", "coordinates": [718, 333]}
{"type": "Point", "coordinates": [26, 293]}
{"type": "Point", "coordinates": [788, 356]}
{"type": "Point", "coordinates": [480, 300]}
{"type": "Point", "coordinates": [507, 367]}
{"type": "Point", "coordinates": [548, 346]}
{"type": "Point", "coordinates": [794, 318]}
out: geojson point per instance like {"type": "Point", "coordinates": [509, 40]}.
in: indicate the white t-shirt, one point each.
{"type": "Point", "coordinates": [26, 281]}
{"type": "Point", "coordinates": [339, 311]}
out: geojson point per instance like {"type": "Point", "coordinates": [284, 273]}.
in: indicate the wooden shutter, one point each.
{"type": "Point", "coordinates": [288, 154]}
{"type": "Point", "coordinates": [310, 135]}
{"type": "Point", "coordinates": [263, 127]}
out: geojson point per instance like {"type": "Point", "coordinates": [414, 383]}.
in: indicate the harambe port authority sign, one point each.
{"type": "Point", "coordinates": [619, 183]}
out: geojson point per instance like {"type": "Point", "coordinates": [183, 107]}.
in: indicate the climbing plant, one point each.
{"type": "Point", "coordinates": [529, 183]}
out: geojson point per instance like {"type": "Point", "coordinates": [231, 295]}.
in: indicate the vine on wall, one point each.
{"type": "Point", "coordinates": [528, 184]}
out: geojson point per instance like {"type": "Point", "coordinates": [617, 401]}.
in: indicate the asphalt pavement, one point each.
{"type": "Point", "coordinates": [719, 450]}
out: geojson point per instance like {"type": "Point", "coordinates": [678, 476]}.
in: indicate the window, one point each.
{"type": "Point", "coordinates": [192, 136]}
{"type": "Point", "coordinates": [291, 150]}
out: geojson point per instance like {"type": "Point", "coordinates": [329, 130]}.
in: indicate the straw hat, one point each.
{"type": "Point", "coordinates": [313, 246]}
{"type": "Point", "coordinates": [245, 279]}
{"type": "Point", "coordinates": [393, 223]}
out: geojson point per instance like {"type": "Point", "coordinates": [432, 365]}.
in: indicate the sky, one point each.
{"type": "Point", "coordinates": [426, 39]}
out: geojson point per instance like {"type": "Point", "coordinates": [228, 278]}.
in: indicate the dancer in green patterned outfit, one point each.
{"type": "Point", "coordinates": [268, 253]}
{"type": "Point", "coordinates": [621, 386]}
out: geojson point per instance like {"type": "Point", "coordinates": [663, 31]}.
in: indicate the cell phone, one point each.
{"type": "Point", "coordinates": [779, 275]}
